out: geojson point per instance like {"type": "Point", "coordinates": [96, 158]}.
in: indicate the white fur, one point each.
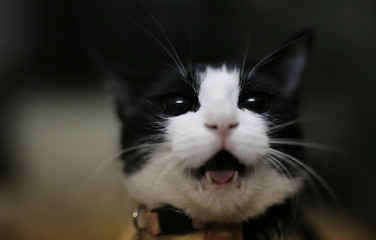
{"type": "Point", "coordinates": [166, 177]}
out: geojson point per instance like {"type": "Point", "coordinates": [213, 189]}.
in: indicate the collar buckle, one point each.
{"type": "Point", "coordinates": [145, 220]}
{"type": "Point", "coordinates": [136, 217]}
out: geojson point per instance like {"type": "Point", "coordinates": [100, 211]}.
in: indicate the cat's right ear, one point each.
{"type": "Point", "coordinates": [123, 83]}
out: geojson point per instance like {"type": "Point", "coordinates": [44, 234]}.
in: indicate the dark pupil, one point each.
{"type": "Point", "coordinates": [257, 103]}
{"type": "Point", "coordinates": [177, 105]}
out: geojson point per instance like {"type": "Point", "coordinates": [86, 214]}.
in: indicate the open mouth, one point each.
{"type": "Point", "coordinates": [222, 170]}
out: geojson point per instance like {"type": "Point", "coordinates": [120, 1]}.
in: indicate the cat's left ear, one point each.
{"type": "Point", "coordinates": [286, 65]}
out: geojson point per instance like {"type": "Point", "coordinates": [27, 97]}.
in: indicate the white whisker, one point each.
{"type": "Point", "coordinates": [177, 58]}
{"type": "Point", "coordinates": [162, 173]}
{"type": "Point", "coordinates": [298, 142]}
{"type": "Point", "coordinates": [276, 163]}
{"type": "Point", "coordinates": [245, 55]}
{"type": "Point", "coordinates": [261, 64]}
{"type": "Point", "coordinates": [177, 62]}
{"type": "Point", "coordinates": [280, 126]}
{"type": "Point", "coordinates": [105, 163]}
{"type": "Point", "coordinates": [310, 171]}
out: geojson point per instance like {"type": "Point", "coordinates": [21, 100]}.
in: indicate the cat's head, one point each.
{"type": "Point", "coordinates": [207, 138]}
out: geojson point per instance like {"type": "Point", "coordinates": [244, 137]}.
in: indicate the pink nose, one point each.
{"type": "Point", "coordinates": [222, 126]}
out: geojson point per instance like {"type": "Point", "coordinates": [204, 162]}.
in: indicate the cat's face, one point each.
{"type": "Point", "coordinates": [201, 138]}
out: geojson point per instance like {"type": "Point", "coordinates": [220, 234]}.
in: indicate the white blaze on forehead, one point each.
{"type": "Point", "coordinates": [219, 90]}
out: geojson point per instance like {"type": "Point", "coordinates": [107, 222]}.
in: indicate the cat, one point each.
{"type": "Point", "coordinates": [207, 146]}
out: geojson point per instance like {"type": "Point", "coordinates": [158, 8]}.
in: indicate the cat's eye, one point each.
{"type": "Point", "coordinates": [177, 105]}
{"type": "Point", "coordinates": [256, 102]}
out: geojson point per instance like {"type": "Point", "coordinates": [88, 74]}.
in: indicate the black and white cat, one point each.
{"type": "Point", "coordinates": [207, 144]}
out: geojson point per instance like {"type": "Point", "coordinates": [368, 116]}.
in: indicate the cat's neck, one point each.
{"type": "Point", "coordinates": [252, 229]}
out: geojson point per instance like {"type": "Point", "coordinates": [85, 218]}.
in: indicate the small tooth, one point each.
{"type": "Point", "coordinates": [235, 177]}
{"type": "Point", "coordinates": [208, 178]}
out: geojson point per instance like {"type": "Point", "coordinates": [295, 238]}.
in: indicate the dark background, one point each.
{"type": "Point", "coordinates": [42, 41]}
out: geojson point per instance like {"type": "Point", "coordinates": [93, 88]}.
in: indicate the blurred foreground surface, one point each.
{"type": "Point", "coordinates": [69, 184]}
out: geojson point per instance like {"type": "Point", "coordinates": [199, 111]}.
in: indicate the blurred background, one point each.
{"type": "Point", "coordinates": [59, 177]}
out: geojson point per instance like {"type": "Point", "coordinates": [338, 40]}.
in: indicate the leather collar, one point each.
{"type": "Point", "coordinates": [168, 220]}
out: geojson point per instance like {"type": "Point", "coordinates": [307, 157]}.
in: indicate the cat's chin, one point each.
{"type": "Point", "coordinates": [222, 196]}
{"type": "Point", "coordinates": [221, 207]}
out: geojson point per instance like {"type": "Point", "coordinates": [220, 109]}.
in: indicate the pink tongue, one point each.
{"type": "Point", "coordinates": [221, 176]}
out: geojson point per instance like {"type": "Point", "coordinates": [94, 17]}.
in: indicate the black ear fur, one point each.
{"type": "Point", "coordinates": [286, 65]}
{"type": "Point", "coordinates": [124, 84]}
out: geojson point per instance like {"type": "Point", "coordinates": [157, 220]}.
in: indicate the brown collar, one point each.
{"type": "Point", "coordinates": [168, 220]}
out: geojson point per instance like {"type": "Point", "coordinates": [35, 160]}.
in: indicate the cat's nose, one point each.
{"type": "Point", "coordinates": [222, 126]}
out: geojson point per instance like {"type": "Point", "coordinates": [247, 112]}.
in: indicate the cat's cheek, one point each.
{"type": "Point", "coordinates": [157, 183]}
{"type": "Point", "coordinates": [249, 142]}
